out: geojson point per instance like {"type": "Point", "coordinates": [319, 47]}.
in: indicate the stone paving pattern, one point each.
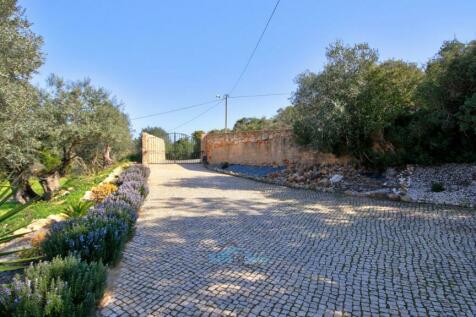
{"type": "Point", "coordinates": [215, 245]}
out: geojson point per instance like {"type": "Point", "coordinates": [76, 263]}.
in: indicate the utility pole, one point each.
{"type": "Point", "coordinates": [226, 112]}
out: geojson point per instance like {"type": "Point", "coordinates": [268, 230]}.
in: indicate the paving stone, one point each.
{"type": "Point", "coordinates": [217, 245]}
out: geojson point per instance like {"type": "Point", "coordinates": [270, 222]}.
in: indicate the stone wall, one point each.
{"type": "Point", "coordinates": [153, 149]}
{"type": "Point", "coordinates": [261, 148]}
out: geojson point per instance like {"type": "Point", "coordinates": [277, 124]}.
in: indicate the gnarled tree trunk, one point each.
{"type": "Point", "coordinates": [22, 191]}
{"type": "Point", "coordinates": [50, 183]}
{"type": "Point", "coordinates": [106, 155]}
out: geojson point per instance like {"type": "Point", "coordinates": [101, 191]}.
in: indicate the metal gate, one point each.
{"type": "Point", "coordinates": [181, 148]}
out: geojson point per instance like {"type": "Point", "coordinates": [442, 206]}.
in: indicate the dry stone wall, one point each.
{"type": "Point", "coordinates": [261, 148]}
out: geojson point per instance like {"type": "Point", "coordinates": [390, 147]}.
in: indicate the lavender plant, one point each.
{"type": "Point", "coordinates": [62, 287]}
{"type": "Point", "coordinates": [101, 234]}
{"type": "Point", "coordinates": [97, 236]}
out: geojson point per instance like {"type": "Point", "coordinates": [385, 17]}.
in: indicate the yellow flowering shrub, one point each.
{"type": "Point", "coordinates": [100, 192]}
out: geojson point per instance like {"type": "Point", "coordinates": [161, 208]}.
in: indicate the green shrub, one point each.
{"type": "Point", "coordinates": [225, 165]}
{"type": "Point", "coordinates": [437, 187]}
{"type": "Point", "coordinates": [97, 237]}
{"type": "Point", "coordinates": [62, 287]}
{"type": "Point", "coordinates": [78, 209]}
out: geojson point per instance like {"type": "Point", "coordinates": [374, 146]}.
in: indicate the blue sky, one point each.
{"type": "Point", "coordinates": [158, 55]}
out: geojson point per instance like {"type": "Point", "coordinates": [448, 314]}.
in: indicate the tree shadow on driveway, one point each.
{"type": "Point", "coordinates": [247, 247]}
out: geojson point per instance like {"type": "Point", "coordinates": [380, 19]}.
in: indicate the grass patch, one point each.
{"type": "Point", "coordinates": [76, 185]}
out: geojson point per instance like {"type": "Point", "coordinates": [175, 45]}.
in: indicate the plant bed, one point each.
{"type": "Point", "coordinates": [91, 241]}
{"type": "Point", "coordinates": [73, 189]}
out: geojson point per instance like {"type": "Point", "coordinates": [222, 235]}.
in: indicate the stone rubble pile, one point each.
{"type": "Point", "coordinates": [458, 182]}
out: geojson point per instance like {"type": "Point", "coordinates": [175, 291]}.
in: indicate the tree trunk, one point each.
{"type": "Point", "coordinates": [106, 155]}
{"type": "Point", "coordinates": [22, 191]}
{"type": "Point", "coordinates": [50, 183]}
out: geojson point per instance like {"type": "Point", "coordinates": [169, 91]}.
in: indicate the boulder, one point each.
{"type": "Point", "coordinates": [393, 196]}
{"type": "Point", "coordinates": [39, 224]}
{"type": "Point", "coordinates": [58, 217]}
{"type": "Point", "coordinates": [88, 196]}
{"type": "Point", "coordinates": [323, 182]}
{"type": "Point", "coordinates": [378, 193]}
{"type": "Point", "coordinates": [390, 172]}
{"type": "Point", "coordinates": [336, 178]}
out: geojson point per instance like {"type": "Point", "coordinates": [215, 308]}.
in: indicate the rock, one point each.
{"type": "Point", "coordinates": [22, 231]}
{"type": "Point", "coordinates": [88, 195]}
{"type": "Point", "coordinates": [64, 193]}
{"type": "Point", "coordinates": [58, 217]}
{"type": "Point", "coordinates": [300, 179]}
{"type": "Point", "coordinates": [390, 172]}
{"type": "Point", "coordinates": [336, 178]}
{"type": "Point", "coordinates": [406, 198]}
{"type": "Point", "coordinates": [39, 224]}
{"type": "Point", "coordinates": [453, 188]}
{"type": "Point", "coordinates": [379, 193]}
{"type": "Point", "coordinates": [323, 182]}
{"type": "Point", "coordinates": [393, 196]}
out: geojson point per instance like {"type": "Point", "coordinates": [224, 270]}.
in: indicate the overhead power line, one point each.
{"type": "Point", "coordinates": [262, 95]}
{"type": "Point", "coordinates": [176, 109]}
{"type": "Point", "coordinates": [255, 48]}
{"type": "Point", "coordinates": [198, 116]}
{"type": "Point", "coordinates": [215, 105]}
{"type": "Point", "coordinates": [205, 103]}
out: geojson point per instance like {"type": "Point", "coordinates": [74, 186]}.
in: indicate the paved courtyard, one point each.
{"type": "Point", "coordinates": [215, 245]}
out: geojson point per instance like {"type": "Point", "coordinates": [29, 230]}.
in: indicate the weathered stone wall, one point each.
{"type": "Point", "coordinates": [153, 149]}
{"type": "Point", "coordinates": [261, 148]}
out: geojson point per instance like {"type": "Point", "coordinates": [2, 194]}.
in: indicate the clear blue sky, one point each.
{"type": "Point", "coordinates": [158, 55]}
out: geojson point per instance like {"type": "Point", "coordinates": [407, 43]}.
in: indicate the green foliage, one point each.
{"type": "Point", "coordinates": [83, 121]}
{"type": "Point", "coordinates": [157, 131]}
{"type": "Point", "coordinates": [437, 187]}
{"type": "Point", "coordinates": [390, 112]}
{"type": "Point", "coordinates": [78, 185]}
{"type": "Point", "coordinates": [443, 127]}
{"type": "Point", "coordinates": [197, 142]}
{"type": "Point", "coordinates": [328, 102]}
{"type": "Point", "coordinates": [284, 119]}
{"type": "Point", "coordinates": [71, 122]}
{"type": "Point", "coordinates": [49, 160]}
{"type": "Point", "coordinates": [96, 237]}
{"type": "Point", "coordinates": [78, 209]}
{"type": "Point", "coordinates": [9, 235]}
{"type": "Point", "coordinates": [182, 149]}
{"type": "Point", "coordinates": [62, 287]}
{"type": "Point", "coordinates": [252, 124]}
{"type": "Point", "coordinates": [20, 57]}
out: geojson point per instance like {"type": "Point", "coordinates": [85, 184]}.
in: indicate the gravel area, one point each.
{"type": "Point", "coordinates": [458, 181]}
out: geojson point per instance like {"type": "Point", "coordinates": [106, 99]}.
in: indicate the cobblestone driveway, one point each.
{"type": "Point", "coordinates": [211, 244]}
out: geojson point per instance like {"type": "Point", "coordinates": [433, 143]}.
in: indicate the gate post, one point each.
{"type": "Point", "coordinates": [144, 148]}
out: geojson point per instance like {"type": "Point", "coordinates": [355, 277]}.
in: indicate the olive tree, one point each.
{"type": "Point", "coordinates": [347, 107]}
{"type": "Point", "coordinates": [20, 57]}
{"type": "Point", "coordinates": [83, 123]}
